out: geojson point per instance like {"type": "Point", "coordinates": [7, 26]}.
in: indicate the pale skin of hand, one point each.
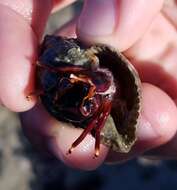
{"type": "Point", "coordinates": [144, 32]}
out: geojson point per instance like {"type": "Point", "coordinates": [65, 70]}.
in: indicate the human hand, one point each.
{"type": "Point", "coordinates": [146, 34]}
{"type": "Point", "coordinates": [121, 24]}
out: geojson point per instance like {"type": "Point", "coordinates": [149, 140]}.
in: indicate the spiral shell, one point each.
{"type": "Point", "coordinates": [66, 56]}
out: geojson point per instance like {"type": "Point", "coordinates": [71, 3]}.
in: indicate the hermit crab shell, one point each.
{"type": "Point", "coordinates": [119, 132]}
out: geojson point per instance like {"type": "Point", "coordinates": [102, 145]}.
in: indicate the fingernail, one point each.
{"type": "Point", "coordinates": [98, 17]}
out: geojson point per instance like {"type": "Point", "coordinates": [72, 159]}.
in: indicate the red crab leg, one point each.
{"type": "Point", "coordinates": [104, 112]}
{"type": "Point", "coordinates": [83, 135]}
{"type": "Point", "coordinates": [101, 122]}
{"type": "Point", "coordinates": [57, 69]}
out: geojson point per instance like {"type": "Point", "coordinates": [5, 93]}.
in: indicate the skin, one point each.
{"type": "Point", "coordinates": [151, 46]}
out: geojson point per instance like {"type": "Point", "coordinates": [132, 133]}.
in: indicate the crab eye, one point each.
{"type": "Point", "coordinates": [89, 107]}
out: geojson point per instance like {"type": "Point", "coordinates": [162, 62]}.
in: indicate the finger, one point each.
{"type": "Point", "coordinates": [119, 23]}
{"type": "Point", "coordinates": [35, 13]}
{"type": "Point", "coordinates": [56, 137]}
{"type": "Point", "coordinates": [21, 26]}
{"type": "Point", "coordinates": [19, 36]}
{"type": "Point", "coordinates": [154, 56]}
{"type": "Point", "coordinates": [170, 11]}
{"type": "Point", "coordinates": [16, 58]}
{"type": "Point", "coordinates": [158, 123]}
{"type": "Point", "coordinates": [160, 37]}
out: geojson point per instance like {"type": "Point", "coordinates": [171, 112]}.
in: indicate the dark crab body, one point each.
{"type": "Point", "coordinates": [94, 88]}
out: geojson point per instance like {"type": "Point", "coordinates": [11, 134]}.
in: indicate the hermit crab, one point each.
{"type": "Point", "coordinates": [91, 87]}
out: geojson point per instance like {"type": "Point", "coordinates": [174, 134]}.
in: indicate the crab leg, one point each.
{"type": "Point", "coordinates": [97, 123]}
{"type": "Point", "coordinates": [101, 122]}
{"type": "Point", "coordinates": [59, 69]}
{"type": "Point", "coordinates": [82, 136]}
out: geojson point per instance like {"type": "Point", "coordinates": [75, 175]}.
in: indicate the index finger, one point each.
{"type": "Point", "coordinates": [22, 23]}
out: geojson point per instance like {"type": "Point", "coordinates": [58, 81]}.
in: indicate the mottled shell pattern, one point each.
{"type": "Point", "coordinates": [119, 132]}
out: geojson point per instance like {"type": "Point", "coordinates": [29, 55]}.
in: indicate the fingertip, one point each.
{"type": "Point", "coordinates": [117, 23]}
{"type": "Point", "coordinates": [157, 124]}
{"type": "Point", "coordinates": [18, 53]}
{"type": "Point", "coordinates": [56, 137]}
{"type": "Point", "coordinates": [11, 102]}
{"type": "Point", "coordinates": [159, 112]}
{"type": "Point", "coordinates": [82, 156]}
{"type": "Point", "coordinates": [165, 145]}
{"type": "Point", "coordinates": [22, 24]}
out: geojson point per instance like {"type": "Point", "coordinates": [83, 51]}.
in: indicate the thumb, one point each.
{"type": "Point", "coordinates": [116, 22]}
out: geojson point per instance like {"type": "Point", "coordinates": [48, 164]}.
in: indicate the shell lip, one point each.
{"type": "Point", "coordinates": [123, 135]}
